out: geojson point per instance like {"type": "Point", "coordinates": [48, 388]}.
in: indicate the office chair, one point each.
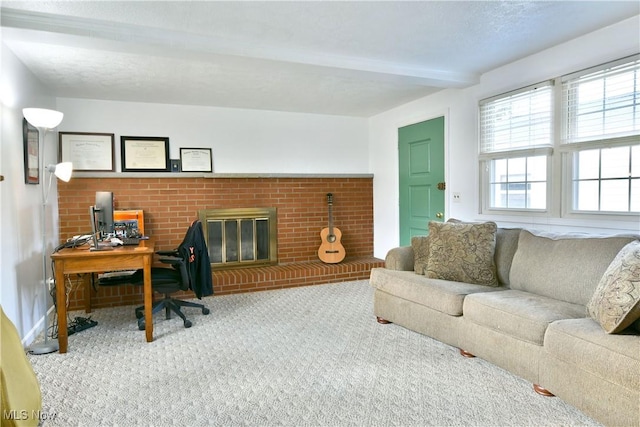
{"type": "Point", "coordinates": [190, 268]}
{"type": "Point", "coordinates": [167, 281]}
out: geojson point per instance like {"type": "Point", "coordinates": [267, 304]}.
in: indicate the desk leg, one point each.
{"type": "Point", "coordinates": [88, 289]}
{"type": "Point", "coordinates": [148, 298]}
{"type": "Point", "coordinates": [61, 300]}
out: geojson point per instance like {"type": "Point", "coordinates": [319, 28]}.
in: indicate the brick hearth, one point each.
{"type": "Point", "coordinates": [291, 275]}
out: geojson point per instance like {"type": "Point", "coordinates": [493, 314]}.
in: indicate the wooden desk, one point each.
{"type": "Point", "coordinates": [82, 260]}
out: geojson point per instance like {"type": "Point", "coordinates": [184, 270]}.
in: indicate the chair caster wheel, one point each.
{"type": "Point", "coordinates": [206, 311]}
{"type": "Point", "coordinates": [141, 325]}
{"type": "Point", "coordinates": [187, 323]}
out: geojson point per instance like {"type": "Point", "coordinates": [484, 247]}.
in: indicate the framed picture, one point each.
{"type": "Point", "coordinates": [196, 160]}
{"type": "Point", "coordinates": [88, 151]}
{"type": "Point", "coordinates": [31, 153]}
{"type": "Point", "coordinates": [145, 154]}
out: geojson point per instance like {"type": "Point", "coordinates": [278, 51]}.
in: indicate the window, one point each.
{"type": "Point", "coordinates": [601, 133]}
{"type": "Point", "coordinates": [518, 183]}
{"type": "Point", "coordinates": [607, 179]}
{"type": "Point", "coordinates": [515, 145]}
{"type": "Point", "coordinates": [592, 142]}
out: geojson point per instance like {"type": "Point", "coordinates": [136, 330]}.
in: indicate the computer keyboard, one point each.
{"type": "Point", "coordinates": [130, 240]}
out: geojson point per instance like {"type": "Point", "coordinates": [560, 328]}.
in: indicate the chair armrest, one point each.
{"type": "Point", "coordinates": [172, 260]}
{"type": "Point", "coordinates": [173, 253]}
{"type": "Point", "coordinates": [400, 258]}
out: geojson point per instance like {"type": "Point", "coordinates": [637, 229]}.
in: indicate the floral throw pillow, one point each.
{"type": "Point", "coordinates": [462, 252]}
{"type": "Point", "coordinates": [616, 302]}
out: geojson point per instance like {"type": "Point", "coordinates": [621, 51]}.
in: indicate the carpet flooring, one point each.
{"type": "Point", "coordinates": [308, 356]}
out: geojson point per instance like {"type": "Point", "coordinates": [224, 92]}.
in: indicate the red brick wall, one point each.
{"type": "Point", "coordinates": [170, 204]}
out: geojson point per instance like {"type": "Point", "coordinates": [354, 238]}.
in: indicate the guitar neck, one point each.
{"type": "Point", "coordinates": [330, 204]}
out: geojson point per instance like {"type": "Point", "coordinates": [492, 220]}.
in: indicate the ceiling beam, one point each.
{"type": "Point", "coordinates": [112, 36]}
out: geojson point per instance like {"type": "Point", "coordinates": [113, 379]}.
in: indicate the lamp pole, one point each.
{"type": "Point", "coordinates": [48, 346]}
{"type": "Point", "coordinates": [44, 120]}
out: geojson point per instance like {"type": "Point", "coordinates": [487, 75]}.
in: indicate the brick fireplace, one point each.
{"type": "Point", "coordinates": [170, 202]}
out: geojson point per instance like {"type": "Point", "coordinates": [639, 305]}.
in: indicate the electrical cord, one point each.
{"type": "Point", "coordinates": [74, 325]}
{"type": "Point", "coordinates": [74, 242]}
{"type": "Point", "coordinates": [80, 324]}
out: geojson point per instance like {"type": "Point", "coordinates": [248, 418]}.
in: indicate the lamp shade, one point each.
{"type": "Point", "coordinates": [62, 170]}
{"type": "Point", "coordinates": [43, 118]}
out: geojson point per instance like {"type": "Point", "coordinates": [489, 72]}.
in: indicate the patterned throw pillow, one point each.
{"type": "Point", "coordinates": [462, 252]}
{"type": "Point", "coordinates": [616, 301]}
{"type": "Point", "coordinates": [420, 245]}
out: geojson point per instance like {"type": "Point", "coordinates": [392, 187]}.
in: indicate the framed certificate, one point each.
{"type": "Point", "coordinates": [196, 160]}
{"type": "Point", "coordinates": [145, 154]}
{"type": "Point", "coordinates": [88, 151]}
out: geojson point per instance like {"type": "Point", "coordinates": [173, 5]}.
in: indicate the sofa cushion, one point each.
{"type": "Point", "coordinates": [420, 245]}
{"type": "Point", "coordinates": [462, 252]}
{"type": "Point", "coordinates": [441, 295]}
{"type": "Point", "coordinates": [506, 246]}
{"type": "Point", "coordinates": [519, 314]}
{"type": "Point", "coordinates": [564, 267]}
{"type": "Point", "coordinates": [615, 305]}
{"type": "Point", "coordinates": [582, 342]}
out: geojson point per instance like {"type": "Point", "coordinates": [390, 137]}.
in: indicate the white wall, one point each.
{"type": "Point", "coordinates": [21, 286]}
{"type": "Point", "coordinates": [461, 132]}
{"type": "Point", "coordinates": [242, 141]}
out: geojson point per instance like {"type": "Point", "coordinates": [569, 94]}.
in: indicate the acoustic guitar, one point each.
{"type": "Point", "coordinates": [331, 250]}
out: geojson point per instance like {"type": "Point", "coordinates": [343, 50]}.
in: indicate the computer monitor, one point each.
{"type": "Point", "coordinates": [94, 228]}
{"type": "Point", "coordinates": [104, 213]}
{"type": "Point", "coordinates": [96, 236]}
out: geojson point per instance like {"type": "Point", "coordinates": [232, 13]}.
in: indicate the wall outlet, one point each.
{"type": "Point", "coordinates": [456, 197]}
{"type": "Point", "coordinates": [50, 283]}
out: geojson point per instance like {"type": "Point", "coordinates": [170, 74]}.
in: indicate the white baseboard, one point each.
{"type": "Point", "coordinates": [33, 333]}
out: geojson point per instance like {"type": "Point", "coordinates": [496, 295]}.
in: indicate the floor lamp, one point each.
{"type": "Point", "coordinates": [45, 120]}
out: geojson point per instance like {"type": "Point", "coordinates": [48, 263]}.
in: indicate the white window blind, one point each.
{"type": "Point", "coordinates": [602, 103]}
{"type": "Point", "coordinates": [517, 121]}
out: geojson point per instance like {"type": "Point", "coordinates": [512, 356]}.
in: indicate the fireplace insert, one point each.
{"type": "Point", "coordinates": [240, 237]}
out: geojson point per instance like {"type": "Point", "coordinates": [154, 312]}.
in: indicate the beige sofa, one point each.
{"type": "Point", "coordinates": [542, 315]}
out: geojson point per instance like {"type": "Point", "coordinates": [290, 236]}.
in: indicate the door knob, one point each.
{"type": "Point", "coordinates": [439, 215]}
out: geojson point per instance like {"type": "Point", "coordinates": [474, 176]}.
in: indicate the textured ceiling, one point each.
{"type": "Point", "coordinates": [346, 58]}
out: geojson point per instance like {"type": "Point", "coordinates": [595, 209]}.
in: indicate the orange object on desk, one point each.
{"type": "Point", "coordinates": [129, 219]}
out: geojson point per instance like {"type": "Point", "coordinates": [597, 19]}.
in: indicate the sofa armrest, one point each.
{"type": "Point", "coordinates": [400, 258]}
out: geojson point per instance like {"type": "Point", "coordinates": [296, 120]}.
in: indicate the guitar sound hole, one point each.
{"type": "Point", "coordinates": [331, 238]}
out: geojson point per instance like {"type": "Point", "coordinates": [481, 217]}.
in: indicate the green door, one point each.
{"type": "Point", "coordinates": [421, 168]}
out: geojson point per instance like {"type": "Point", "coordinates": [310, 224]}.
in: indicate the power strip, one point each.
{"type": "Point", "coordinates": [80, 325]}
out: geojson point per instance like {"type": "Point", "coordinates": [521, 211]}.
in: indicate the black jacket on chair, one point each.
{"type": "Point", "coordinates": [194, 249]}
